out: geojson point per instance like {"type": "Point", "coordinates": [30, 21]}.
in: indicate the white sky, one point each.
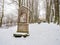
{"type": "Point", "coordinates": [12, 8]}
{"type": "Point", "coordinates": [41, 8]}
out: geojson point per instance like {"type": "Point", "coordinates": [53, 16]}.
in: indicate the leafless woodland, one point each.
{"type": "Point", "coordinates": [51, 11]}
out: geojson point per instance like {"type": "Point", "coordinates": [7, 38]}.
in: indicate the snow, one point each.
{"type": "Point", "coordinates": [40, 34]}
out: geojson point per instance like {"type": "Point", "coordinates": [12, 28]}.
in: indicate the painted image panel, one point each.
{"type": "Point", "coordinates": [23, 18]}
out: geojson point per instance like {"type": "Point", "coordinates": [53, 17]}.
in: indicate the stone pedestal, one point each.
{"type": "Point", "coordinates": [23, 28]}
{"type": "Point", "coordinates": [23, 20]}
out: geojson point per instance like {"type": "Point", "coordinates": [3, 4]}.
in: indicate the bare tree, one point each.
{"type": "Point", "coordinates": [48, 10]}
{"type": "Point", "coordinates": [2, 13]}
{"type": "Point", "coordinates": [56, 2]}
{"type": "Point", "coordinates": [35, 11]}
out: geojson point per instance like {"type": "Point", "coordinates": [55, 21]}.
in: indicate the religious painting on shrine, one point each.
{"type": "Point", "coordinates": [23, 17]}
{"type": "Point", "coordinates": [24, 14]}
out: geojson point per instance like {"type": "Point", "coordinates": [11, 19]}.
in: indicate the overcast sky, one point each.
{"type": "Point", "coordinates": [41, 8]}
{"type": "Point", "coordinates": [12, 8]}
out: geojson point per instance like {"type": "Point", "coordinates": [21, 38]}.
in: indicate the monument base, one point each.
{"type": "Point", "coordinates": [21, 35]}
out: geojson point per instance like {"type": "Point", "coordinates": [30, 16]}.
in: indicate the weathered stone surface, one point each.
{"type": "Point", "coordinates": [23, 27]}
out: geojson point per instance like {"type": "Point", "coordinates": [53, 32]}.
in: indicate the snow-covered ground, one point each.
{"type": "Point", "coordinates": [40, 34]}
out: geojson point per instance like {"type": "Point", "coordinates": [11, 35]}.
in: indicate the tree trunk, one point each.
{"type": "Point", "coordinates": [56, 11]}
{"type": "Point", "coordinates": [36, 11]}
{"type": "Point", "coordinates": [32, 11]}
{"type": "Point", "coordinates": [0, 22]}
{"type": "Point", "coordinates": [47, 18]}
{"type": "Point", "coordinates": [48, 10]}
{"type": "Point", "coordinates": [2, 14]}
